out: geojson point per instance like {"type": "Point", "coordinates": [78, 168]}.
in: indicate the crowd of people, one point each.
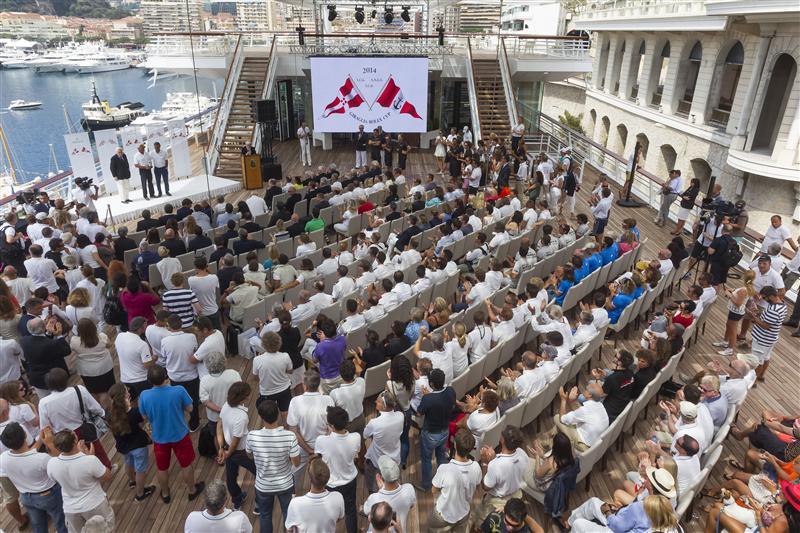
{"type": "Point", "coordinates": [92, 346]}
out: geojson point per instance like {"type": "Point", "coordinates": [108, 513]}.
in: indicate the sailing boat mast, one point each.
{"type": "Point", "coordinates": [66, 118]}
{"type": "Point", "coordinates": [7, 153]}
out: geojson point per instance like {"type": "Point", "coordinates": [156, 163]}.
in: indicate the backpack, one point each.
{"type": "Point", "coordinates": [734, 254]}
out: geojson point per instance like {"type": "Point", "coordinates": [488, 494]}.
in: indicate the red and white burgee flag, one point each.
{"type": "Point", "coordinates": [348, 97]}
{"type": "Point", "coordinates": [392, 96]}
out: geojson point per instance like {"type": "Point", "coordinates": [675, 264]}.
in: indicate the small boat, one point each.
{"type": "Point", "coordinates": [22, 105]}
{"type": "Point", "coordinates": [100, 115]}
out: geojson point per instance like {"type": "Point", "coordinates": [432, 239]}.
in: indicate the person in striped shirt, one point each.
{"type": "Point", "coordinates": [767, 323]}
{"type": "Point", "coordinates": [181, 301]}
{"type": "Point", "coordinates": [275, 451]}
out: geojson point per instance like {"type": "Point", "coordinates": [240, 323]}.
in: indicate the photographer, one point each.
{"type": "Point", "coordinates": [723, 254]}
{"type": "Point", "coordinates": [84, 193]}
{"type": "Point", "coordinates": [12, 244]}
{"type": "Point", "coordinates": [739, 220]}
{"type": "Point", "coordinates": [708, 229]}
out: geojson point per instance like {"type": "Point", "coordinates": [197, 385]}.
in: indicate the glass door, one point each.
{"type": "Point", "coordinates": [285, 114]}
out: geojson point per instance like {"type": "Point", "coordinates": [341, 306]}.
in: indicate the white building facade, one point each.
{"type": "Point", "coordinates": [708, 87]}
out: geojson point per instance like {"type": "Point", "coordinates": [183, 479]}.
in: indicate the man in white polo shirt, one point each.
{"type": "Point", "coordinates": [205, 285]}
{"type": "Point", "coordinates": [350, 396]}
{"type": "Point", "coordinates": [583, 424]}
{"type": "Point", "coordinates": [216, 517]}
{"type": "Point", "coordinates": [232, 438]}
{"type": "Point", "coordinates": [339, 450]}
{"type": "Point", "coordinates": [178, 350]}
{"type": "Point", "coordinates": [160, 168]}
{"type": "Point", "coordinates": [41, 271]}
{"type": "Point", "coordinates": [135, 357]}
{"type": "Point", "coordinates": [318, 510]}
{"type": "Point", "coordinates": [401, 497]}
{"type": "Point", "coordinates": [455, 483]}
{"type": "Point", "coordinates": [502, 472]}
{"type": "Point", "coordinates": [307, 417]}
{"type": "Point", "coordinates": [384, 430]}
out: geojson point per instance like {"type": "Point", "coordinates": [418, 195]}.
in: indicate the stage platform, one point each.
{"type": "Point", "coordinates": [195, 188]}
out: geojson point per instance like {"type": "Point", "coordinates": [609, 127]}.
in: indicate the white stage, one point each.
{"type": "Point", "coordinates": [195, 188]}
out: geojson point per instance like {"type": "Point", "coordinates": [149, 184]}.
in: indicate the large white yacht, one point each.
{"type": "Point", "coordinates": [103, 63]}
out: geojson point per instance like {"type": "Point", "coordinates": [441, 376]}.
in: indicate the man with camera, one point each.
{"type": "Point", "coordinates": [711, 220]}
{"type": "Point", "coordinates": [86, 192]}
{"type": "Point", "coordinates": [12, 244]}
{"type": "Point", "coordinates": [144, 162]}
{"type": "Point", "coordinates": [669, 193]}
{"type": "Point", "coordinates": [723, 254]}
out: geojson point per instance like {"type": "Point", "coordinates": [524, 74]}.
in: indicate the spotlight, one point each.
{"type": "Point", "coordinates": [300, 37]}
{"type": "Point", "coordinates": [388, 15]}
{"type": "Point", "coordinates": [404, 15]}
{"type": "Point", "coordinates": [360, 14]}
{"type": "Point", "coordinates": [331, 13]}
{"type": "Point", "coordinates": [374, 13]}
{"type": "Point", "coordinates": [440, 31]}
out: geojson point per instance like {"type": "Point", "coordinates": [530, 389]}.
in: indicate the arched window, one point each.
{"type": "Point", "coordinates": [622, 138]}
{"type": "Point", "coordinates": [668, 156]}
{"type": "Point", "coordinates": [702, 171]}
{"type": "Point", "coordinates": [642, 139]}
{"type": "Point", "coordinates": [603, 63]}
{"type": "Point", "coordinates": [592, 122]}
{"type": "Point", "coordinates": [688, 78]}
{"type": "Point", "coordinates": [636, 69]}
{"type": "Point", "coordinates": [775, 98]}
{"type": "Point", "coordinates": [725, 83]}
{"type": "Point", "coordinates": [616, 69]}
{"type": "Point", "coordinates": [606, 126]}
{"type": "Point", "coordinates": [660, 66]}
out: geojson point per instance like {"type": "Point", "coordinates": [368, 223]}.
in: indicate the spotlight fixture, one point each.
{"type": "Point", "coordinates": [440, 31]}
{"type": "Point", "coordinates": [300, 37]}
{"type": "Point", "coordinates": [388, 15]}
{"type": "Point", "coordinates": [374, 13]}
{"type": "Point", "coordinates": [360, 14]}
{"type": "Point", "coordinates": [404, 15]}
{"type": "Point", "coordinates": [331, 12]}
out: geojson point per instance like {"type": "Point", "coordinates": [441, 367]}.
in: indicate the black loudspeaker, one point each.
{"type": "Point", "coordinates": [271, 171]}
{"type": "Point", "coordinates": [265, 111]}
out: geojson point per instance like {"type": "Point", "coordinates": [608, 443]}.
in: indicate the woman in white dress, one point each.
{"type": "Point", "coordinates": [79, 306]}
{"type": "Point", "coordinates": [349, 213]}
{"type": "Point", "coordinates": [458, 348]}
{"type": "Point", "coordinates": [95, 287]}
{"type": "Point", "coordinates": [440, 152]}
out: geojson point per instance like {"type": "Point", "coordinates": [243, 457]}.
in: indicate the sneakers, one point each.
{"type": "Point", "coordinates": [242, 498]}
{"type": "Point", "coordinates": [193, 429]}
{"type": "Point", "coordinates": [114, 469]}
{"type": "Point", "coordinates": [198, 490]}
{"type": "Point", "coordinates": [720, 344]}
{"type": "Point", "coordinates": [146, 493]}
{"type": "Point", "coordinates": [726, 351]}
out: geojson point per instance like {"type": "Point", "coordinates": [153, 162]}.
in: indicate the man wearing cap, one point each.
{"type": "Point", "coordinates": [401, 497]}
{"type": "Point", "coordinates": [582, 424]}
{"type": "Point", "coordinates": [765, 277]}
{"type": "Point", "coordinates": [633, 517]}
{"type": "Point", "coordinates": [674, 428]}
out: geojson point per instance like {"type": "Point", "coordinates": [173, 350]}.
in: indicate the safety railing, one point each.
{"type": "Point", "coordinates": [217, 133]}
{"type": "Point", "coordinates": [638, 8]}
{"type": "Point", "coordinates": [508, 86]}
{"type": "Point", "coordinates": [473, 94]}
{"type": "Point", "coordinates": [266, 91]}
{"type": "Point", "coordinates": [201, 44]}
{"type": "Point", "coordinates": [521, 47]}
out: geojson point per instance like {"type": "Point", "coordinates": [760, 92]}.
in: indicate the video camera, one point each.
{"type": "Point", "coordinates": [84, 183]}
{"type": "Point", "coordinates": [27, 197]}
{"type": "Point", "coordinates": [719, 211]}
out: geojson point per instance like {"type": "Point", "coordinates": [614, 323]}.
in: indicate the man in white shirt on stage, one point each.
{"type": "Point", "coordinates": [144, 162]}
{"type": "Point", "coordinates": [160, 168]}
{"type": "Point", "coordinates": [304, 134]}
{"type": "Point", "coordinates": [361, 147]}
{"type": "Point", "coordinates": [517, 133]}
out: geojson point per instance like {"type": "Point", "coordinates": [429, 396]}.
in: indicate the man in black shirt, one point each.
{"type": "Point", "coordinates": [361, 147]}
{"type": "Point", "coordinates": [646, 371]}
{"type": "Point", "coordinates": [375, 145]}
{"type": "Point", "coordinates": [405, 237]}
{"type": "Point", "coordinates": [296, 227]}
{"type": "Point", "coordinates": [123, 243]}
{"type": "Point", "coordinates": [44, 349]}
{"type": "Point", "coordinates": [199, 241]}
{"type": "Point", "coordinates": [244, 244]}
{"type": "Point", "coordinates": [248, 223]}
{"type": "Point", "coordinates": [272, 190]}
{"type": "Point", "coordinates": [167, 216]}
{"type": "Point", "coordinates": [231, 232]}
{"type": "Point", "coordinates": [226, 273]}
{"type": "Point", "coordinates": [718, 255]}
{"type": "Point", "coordinates": [281, 213]}
{"type": "Point", "coordinates": [394, 214]}
{"type": "Point", "coordinates": [147, 223]}
{"type": "Point", "coordinates": [418, 203]}
{"type": "Point", "coordinates": [185, 209]}
{"type": "Point", "coordinates": [173, 244]}
{"type": "Point", "coordinates": [221, 250]}
{"type": "Point", "coordinates": [618, 385]}
{"type": "Point", "coordinates": [437, 406]}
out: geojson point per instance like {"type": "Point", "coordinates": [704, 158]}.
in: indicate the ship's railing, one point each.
{"type": "Point", "coordinates": [473, 94]}
{"type": "Point", "coordinates": [266, 92]}
{"type": "Point", "coordinates": [201, 44]}
{"type": "Point", "coordinates": [638, 8]}
{"type": "Point", "coordinates": [508, 86]}
{"type": "Point", "coordinates": [522, 47]}
{"type": "Point", "coordinates": [217, 133]}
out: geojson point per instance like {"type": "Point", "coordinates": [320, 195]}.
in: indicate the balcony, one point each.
{"type": "Point", "coordinates": [761, 163]}
{"type": "Point", "coordinates": [647, 15]}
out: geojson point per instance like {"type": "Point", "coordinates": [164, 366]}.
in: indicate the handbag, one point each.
{"type": "Point", "coordinates": [93, 424]}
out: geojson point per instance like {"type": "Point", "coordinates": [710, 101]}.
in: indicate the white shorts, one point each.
{"type": "Point", "coordinates": [297, 375]}
{"type": "Point", "coordinates": [764, 353]}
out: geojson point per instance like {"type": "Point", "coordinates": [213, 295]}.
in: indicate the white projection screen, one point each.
{"type": "Point", "coordinates": [391, 92]}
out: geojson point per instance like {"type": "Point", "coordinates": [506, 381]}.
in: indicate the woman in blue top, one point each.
{"type": "Point", "coordinates": [629, 224]}
{"type": "Point", "coordinates": [560, 282]}
{"type": "Point", "coordinates": [638, 285]}
{"type": "Point", "coordinates": [610, 251]}
{"type": "Point", "coordinates": [620, 298]}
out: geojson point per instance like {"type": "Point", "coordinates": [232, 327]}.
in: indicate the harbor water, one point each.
{"type": "Point", "coordinates": [30, 132]}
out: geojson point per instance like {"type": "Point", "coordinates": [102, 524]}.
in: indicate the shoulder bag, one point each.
{"type": "Point", "coordinates": [93, 424]}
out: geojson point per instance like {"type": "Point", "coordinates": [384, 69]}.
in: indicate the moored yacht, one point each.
{"type": "Point", "coordinates": [103, 63]}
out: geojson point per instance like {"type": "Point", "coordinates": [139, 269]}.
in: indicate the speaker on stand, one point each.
{"type": "Point", "coordinates": [267, 117]}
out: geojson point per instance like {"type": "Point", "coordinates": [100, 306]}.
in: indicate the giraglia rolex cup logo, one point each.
{"type": "Point", "coordinates": [349, 99]}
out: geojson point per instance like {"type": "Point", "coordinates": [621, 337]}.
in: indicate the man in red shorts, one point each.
{"type": "Point", "coordinates": [164, 406]}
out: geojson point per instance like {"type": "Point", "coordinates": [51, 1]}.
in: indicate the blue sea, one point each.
{"type": "Point", "coordinates": [30, 132]}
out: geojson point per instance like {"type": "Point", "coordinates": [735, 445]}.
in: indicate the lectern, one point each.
{"type": "Point", "coordinates": [251, 171]}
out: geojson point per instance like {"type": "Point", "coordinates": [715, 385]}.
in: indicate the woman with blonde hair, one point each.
{"type": "Point", "coordinates": [507, 394]}
{"type": "Point", "coordinates": [737, 304]}
{"type": "Point", "coordinates": [661, 514]}
{"type": "Point", "coordinates": [280, 232]}
{"type": "Point", "coordinates": [78, 307]}
{"type": "Point", "coordinates": [95, 365]}
{"type": "Point", "coordinates": [189, 227]}
{"type": "Point", "coordinates": [20, 410]}
{"type": "Point", "coordinates": [167, 266]}
{"type": "Point", "coordinates": [457, 347]}
{"type": "Point", "coordinates": [438, 313]}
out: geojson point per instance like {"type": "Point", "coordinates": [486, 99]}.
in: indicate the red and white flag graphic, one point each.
{"type": "Point", "coordinates": [392, 96]}
{"type": "Point", "coordinates": [348, 98]}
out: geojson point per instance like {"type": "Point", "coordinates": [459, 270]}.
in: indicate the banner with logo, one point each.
{"type": "Point", "coordinates": [131, 139]}
{"type": "Point", "coordinates": [106, 142]}
{"type": "Point", "coordinates": [157, 133]}
{"type": "Point", "coordinates": [179, 135]}
{"type": "Point", "coordinates": [391, 92]}
{"type": "Point", "coordinates": [81, 157]}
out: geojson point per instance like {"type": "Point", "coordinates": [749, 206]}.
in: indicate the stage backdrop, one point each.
{"type": "Point", "coordinates": [391, 92]}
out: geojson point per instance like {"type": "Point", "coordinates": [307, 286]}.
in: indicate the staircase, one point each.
{"type": "Point", "coordinates": [242, 116]}
{"type": "Point", "coordinates": [492, 106]}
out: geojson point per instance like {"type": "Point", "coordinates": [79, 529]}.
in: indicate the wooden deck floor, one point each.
{"type": "Point", "coordinates": [776, 393]}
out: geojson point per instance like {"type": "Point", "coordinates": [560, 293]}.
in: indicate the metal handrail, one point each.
{"type": "Point", "coordinates": [603, 9]}
{"type": "Point", "coordinates": [522, 46]}
{"type": "Point", "coordinates": [375, 35]}
{"type": "Point", "coordinates": [508, 87]}
{"type": "Point", "coordinates": [473, 94]}
{"type": "Point", "coordinates": [224, 107]}
{"type": "Point", "coordinates": [266, 90]}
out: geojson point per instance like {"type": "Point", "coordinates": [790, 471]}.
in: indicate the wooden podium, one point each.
{"type": "Point", "coordinates": [251, 171]}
